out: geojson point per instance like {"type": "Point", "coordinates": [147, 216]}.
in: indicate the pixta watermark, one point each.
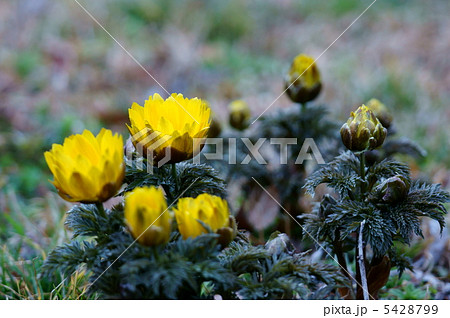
{"type": "Point", "coordinates": [161, 149]}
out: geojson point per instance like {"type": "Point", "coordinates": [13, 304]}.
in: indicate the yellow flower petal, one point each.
{"type": "Point", "coordinates": [168, 124]}
{"type": "Point", "coordinates": [85, 166]}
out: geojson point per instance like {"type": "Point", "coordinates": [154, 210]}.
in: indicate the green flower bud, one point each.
{"type": "Point", "coordinates": [227, 234]}
{"type": "Point", "coordinates": [279, 243]}
{"type": "Point", "coordinates": [326, 206]}
{"type": "Point", "coordinates": [239, 114]}
{"type": "Point", "coordinates": [394, 189]}
{"type": "Point", "coordinates": [215, 127]}
{"type": "Point", "coordinates": [303, 80]}
{"type": "Point", "coordinates": [363, 131]}
{"type": "Point", "coordinates": [381, 112]}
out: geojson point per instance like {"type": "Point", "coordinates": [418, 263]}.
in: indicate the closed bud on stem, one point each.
{"type": "Point", "coordinates": [203, 214]}
{"type": "Point", "coordinates": [147, 217]}
{"type": "Point", "coordinates": [394, 189]}
{"type": "Point", "coordinates": [363, 131]}
{"type": "Point", "coordinates": [303, 80]}
{"type": "Point", "coordinates": [279, 243]}
{"type": "Point", "coordinates": [215, 128]}
{"type": "Point", "coordinates": [228, 233]}
{"type": "Point", "coordinates": [326, 206]}
{"type": "Point", "coordinates": [381, 112]}
{"type": "Point", "coordinates": [239, 114]}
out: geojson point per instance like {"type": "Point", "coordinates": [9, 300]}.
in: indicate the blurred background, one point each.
{"type": "Point", "coordinates": [60, 73]}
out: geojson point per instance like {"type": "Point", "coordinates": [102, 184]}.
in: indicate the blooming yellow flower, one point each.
{"type": "Point", "coordinates": [171, 130]}
{"type": "Point", "coordinates": [209, 209]}
{"type": "Point", "coordinates": [147, 216]}
{"type": "Point", "coordinates": [381, 111]}
{"type": "Point", "coordinates": [363, 131]}
{"type": "Point", "coordinates": [87, 168]}
{"type": "Point", "coordinates": [305, 79]}
{"type": "Point", "coordinates": [239, 114]}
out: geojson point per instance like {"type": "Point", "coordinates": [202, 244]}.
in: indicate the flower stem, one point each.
{"type": "Point", "coordinates": [361, 247]}
{"type": "Point", "coordinates": [100, 209]}
{"type": "Point", "coordinates": [362, 266]}
{"type": "Point", "coordinates": [174, 176]}
{"type": "Point", "coordinates": [362, 173]}
{"type": "Point", "coordinates": [303, 108]}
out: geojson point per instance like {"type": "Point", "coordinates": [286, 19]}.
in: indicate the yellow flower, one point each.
{"type": "Point", "coordinates": [363, 131]}
{"type": "Point", "coordinates": [171, 130]}
{"type": "Point", "coordinates": [87, 168]}
{"type": "Point", "coordinates": [239, 114]}
{"type": "Point", "coordinates": [305, 79]}
{"type": "Point", "coordinates": [381, 111]}
{"type": "Point", "coordinates": [210, 210]}
{"type": "Point", "coordinates": [147, 216]}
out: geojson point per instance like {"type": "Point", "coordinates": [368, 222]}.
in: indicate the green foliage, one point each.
{"type": "Point", "coordinates": [191, 179]}
{"type": "Point", "coordinates": [362, 197]}
{"type": "Point", "coordinates": [401, 288]}
{"type": "Point", "coordinates": [385, 223]}
{"type": "Point", "coordinates": [298, 122]}
{"type": "Point", "coordinates": [287, 179]}
{"type": "Point", "coordinates": [262, 274]}
{"type": "Point", "coordinates": [121, 268]}
{"type": "Point", "coordinates": [341, 174]}
{"type": "Point", "coordinates": [403, 145]}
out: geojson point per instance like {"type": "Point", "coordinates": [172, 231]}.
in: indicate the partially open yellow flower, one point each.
{"type": "Point", "coordinates": [210, 210]}
{"type": "Point", "coordinates": [87, 168]}
{"type": "Point", "coordinates": [363, 131]}
{"type": "Point", "coordinates": [305, 79]}
{"type": "Point", "coordinates": [147, 216]}
{"type": "Point", "coordinates": [171, 130]}
{"type": "Point", "coordinates": [239, 114]}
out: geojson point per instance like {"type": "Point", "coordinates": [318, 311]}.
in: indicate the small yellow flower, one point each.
{"type": "Point", "coordinates": [171, 130]}
{"type": "Point", "coordinates": [147, 216]}
{"type": "Point", "coordinates": [87, 168]}
{"type": "Point", "coordinates": [305, 79]}
{"type": "Point", "coordinates": [381, 111]}
{"type": "Point", "coordinates": [239, 114]}
{"type": "Point", "coordinates": [363, 131]}
{"type": "Point", "coordinates": [209, 209]}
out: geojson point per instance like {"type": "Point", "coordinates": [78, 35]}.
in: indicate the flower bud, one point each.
{"type": "Point", "coordinates": [363, 131]}
{"type": "Point", "coordinates": [228, 233]}
{"type": "Point", "coordinates": [381, 112]}
{"type": "Point", "coordinates": [239, 114]}
{"type": "Point", "coordinates": [215, 127]}
{"type": "Point", "coordinates": [303, 80]}
{"type": "Point", "coordinates": [326, 206]}
{"type": "Point", "coordinates": [147, 217]}
{"type": "Point", "coordinates": [394, 189]}
{"type": "Point", "coordinates": [279, 243]}
{"type": "Point", "coordinates": [203, 214]}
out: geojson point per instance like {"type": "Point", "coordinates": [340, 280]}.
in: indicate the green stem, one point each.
{"type": "Point", "coordinates": [362, 173]}
{"type": "Point", "coordinates": [100, 209]}
{"type": "Point", "coordinates": [155, 252]}
{"type": "Point", "coordinates": [303, 108]}
{"type": "Point", "coordinates": [174, 176]}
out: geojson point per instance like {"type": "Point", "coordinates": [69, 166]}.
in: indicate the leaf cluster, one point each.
{"type": "Point", "coordinates": [385, 222]}
{"type": "Point", "coordinates": [198, 268]}
{"type": "Point", "coordinates": [264, 274]}
{"type": "Point", "coordinates": [190, 180]}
